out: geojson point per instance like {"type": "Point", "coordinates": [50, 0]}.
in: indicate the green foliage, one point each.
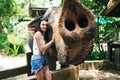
{"type": "Point", "coordinates": [95, 56]}
{"type": "Point", "coordinates": [12, 8]}
{"type": "Point", "coordinates": [62, 2]}
{"type": "Point", "coordinates": [10, 13]}
{"type": "Point", "coordinates": [15, 43]}
{"type": "Point", "coordinates": [107, 29]}
{"type": "Point", "coordinates": [96, 6]}
{"type": "Point", "coordinates": [20, 30]}
{"type": "Point", "coordinates": [3, 41]}
{"type": "Point", "coordinates": [7, 7]}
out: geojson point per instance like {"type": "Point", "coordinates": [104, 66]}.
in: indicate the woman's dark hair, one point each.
{"type": "Point", "coordinates": [48, 31]}
{"type": "Point", "coordinates": [38, 24]}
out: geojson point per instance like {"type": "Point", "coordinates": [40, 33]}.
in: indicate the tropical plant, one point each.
{"type": "Point", "coordinates": [6, 12]}
{"type": "Point", "coordinates": [10, 16]}
{"type": "Point", "coordinates": [16, 43]}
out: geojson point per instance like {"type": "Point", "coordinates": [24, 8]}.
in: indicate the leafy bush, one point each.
{"type": "Point", "coordinates": [3, 41]}
{"type": "Point", "coordinates": [14, 49]}
{"type": "Point", "coordinates": [96, 56]}
{"type": "Point", "coordinates": [15, 43]}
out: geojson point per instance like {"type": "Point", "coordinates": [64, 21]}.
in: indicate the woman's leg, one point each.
{"type": "Point", "coordinates": [40, 75]}
{"type": "Point", "coordinates": [47, 73]}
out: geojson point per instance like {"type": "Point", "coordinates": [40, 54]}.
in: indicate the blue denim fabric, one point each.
{"type": "Point", "coordinates": [38, 61]}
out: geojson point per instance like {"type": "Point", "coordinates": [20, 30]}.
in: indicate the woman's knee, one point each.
{"type": "Point", "coordinates": [47, 72]}
{"type": "Point", "coordinates": [40, 74]}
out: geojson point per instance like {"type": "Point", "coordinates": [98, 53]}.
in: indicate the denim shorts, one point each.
{"type": "Point", "coordinates": [38, 61]}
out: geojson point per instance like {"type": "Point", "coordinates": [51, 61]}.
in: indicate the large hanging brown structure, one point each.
{"type": "Point", "coordinates": [74, 28]}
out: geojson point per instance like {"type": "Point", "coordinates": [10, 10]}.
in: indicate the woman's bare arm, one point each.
{"type": "Point", "coordinates": [42, 47]}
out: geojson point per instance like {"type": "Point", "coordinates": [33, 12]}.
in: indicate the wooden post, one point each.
{"type": "Point", "coordinates": [117, 56]}
{"type": "Point", "coordinates": [68, 73]}
{"type": "Point", "coordinates": [28, 57]}
{"type": "Point", "coordinates": [110, 50]}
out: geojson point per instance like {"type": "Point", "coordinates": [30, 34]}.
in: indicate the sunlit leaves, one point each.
{"type": "Point", "coordinates": [96, 6]}
{"type": "Point", "coordinates": [7, 7]}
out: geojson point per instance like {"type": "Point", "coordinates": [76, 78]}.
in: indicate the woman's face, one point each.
{"type": "Point", "coordinates": [43, 26]}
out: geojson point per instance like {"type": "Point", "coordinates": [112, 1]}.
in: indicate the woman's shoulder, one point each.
{"type": "Point", "coordinates": [38, 33]}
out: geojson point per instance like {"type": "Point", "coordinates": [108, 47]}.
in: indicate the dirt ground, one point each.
{"type": "Point", "coordinates": [87, 75]}
{"type": "Point", "coordinates": [8, 62]}
{"type": "Point", "coordinates": [99, 75]}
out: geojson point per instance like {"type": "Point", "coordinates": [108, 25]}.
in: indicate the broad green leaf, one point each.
{"type": "Point", "coordinates": [11, 39]}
